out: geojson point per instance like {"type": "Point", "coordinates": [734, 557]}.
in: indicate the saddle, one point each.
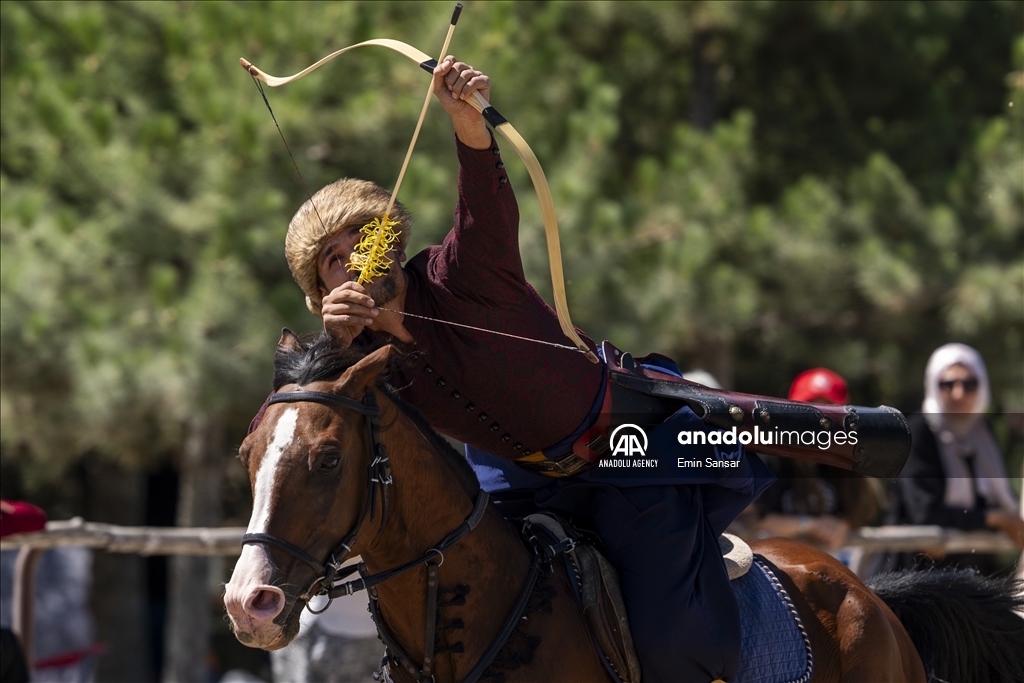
{"type": "Point", "coordinates": [873, 442]}
{"type": "Point", "coordinates": [600, 597]}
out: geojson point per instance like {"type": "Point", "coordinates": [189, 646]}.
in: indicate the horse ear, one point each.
{"type": "Point", "coordinates": [288, 343]}
{"type": "Point", "coordinates": [364, 373]}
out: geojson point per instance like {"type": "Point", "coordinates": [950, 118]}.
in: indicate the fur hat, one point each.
{"type": "Point", "coordinates": [343, 204]}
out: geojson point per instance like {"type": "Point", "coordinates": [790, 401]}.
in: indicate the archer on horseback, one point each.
{"type": "Point", "coordinates": [486, 362]}
{"type": "Point", "coordinates": [516, 400]}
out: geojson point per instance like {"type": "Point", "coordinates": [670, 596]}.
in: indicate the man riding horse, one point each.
{"type": "Point", "coordinates": [527, 411]}
{"type": "Point", "coordinates": [517, 400]}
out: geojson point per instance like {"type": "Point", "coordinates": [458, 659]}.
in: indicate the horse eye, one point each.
{"type": "Point", "coordinates": [330, 462]}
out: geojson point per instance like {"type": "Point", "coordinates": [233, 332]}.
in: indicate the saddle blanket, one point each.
{"type": "Point", "coordinates": [776, 648]}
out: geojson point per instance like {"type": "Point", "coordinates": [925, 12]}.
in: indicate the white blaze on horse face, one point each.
{"type": "Point", "coordinates": [284, 434]}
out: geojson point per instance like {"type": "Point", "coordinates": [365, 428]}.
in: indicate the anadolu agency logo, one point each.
{"type": "Point", "coordinates": [628, 440]}
{"type": "Point", "coordinates": [628, 444]}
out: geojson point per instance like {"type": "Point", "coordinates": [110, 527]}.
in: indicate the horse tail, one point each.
{"type": "Point", "coordinates": [966, 627]}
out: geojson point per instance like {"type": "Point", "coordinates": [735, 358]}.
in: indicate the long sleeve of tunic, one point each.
{"type": "Point", "coordinates": [505, 396]}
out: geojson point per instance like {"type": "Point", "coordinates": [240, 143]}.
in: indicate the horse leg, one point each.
{"type": "Point", "coordinates": [854, 636]}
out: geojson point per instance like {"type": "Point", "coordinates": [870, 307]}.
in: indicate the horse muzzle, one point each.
{"type": "Point", "coordinates": [254, 606]}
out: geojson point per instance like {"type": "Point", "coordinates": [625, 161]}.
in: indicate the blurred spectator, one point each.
{"type": "Point", "coordinates": [819, 385]}
{"type": "Point", "coordinates": [955, 476]}
{"type": "Point", "coordinates": [62, 632]}
{"type": "Point", "coordinates": [815, 502]}
{"type": "Point", "coordinates": [19, 517]}
{"type": "Point", "coordinates": [16, 518]}
{"type": "Point", "coordinates": [702, 377]}
{"type": "Point", "coordinates": [13, 668]}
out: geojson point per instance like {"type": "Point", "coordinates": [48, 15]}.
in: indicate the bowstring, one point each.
{"type": "Point", "coordinates": [484, 329]}
{"type": "Point", "coordinates": [305, 187]}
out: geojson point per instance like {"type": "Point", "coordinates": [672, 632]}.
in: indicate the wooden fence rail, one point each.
{"type": "Point", "coordinates": [226, 541]}
{"type": "Point", "coordinates": [140, 540]}
{"type": "Point", "coordinates": [929, 537]}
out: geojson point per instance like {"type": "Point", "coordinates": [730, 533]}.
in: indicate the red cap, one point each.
{"type": "Point", "coordinates": [819, 384]}
{"type": "Point", "coordinates": [17, 517]}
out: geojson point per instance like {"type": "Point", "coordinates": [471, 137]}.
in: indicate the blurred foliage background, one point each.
{"type": "Point", "coordinates": [755, 188]}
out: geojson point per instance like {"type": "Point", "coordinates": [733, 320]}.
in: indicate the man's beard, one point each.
{"type": "Point", "coordinates": [385, 289]}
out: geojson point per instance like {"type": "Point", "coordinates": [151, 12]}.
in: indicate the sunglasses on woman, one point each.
{"type": "Point", "coordinates": [969, 385]}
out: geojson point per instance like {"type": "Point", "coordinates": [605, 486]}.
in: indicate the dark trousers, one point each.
{"type": "Point", "coordinates": [682, 611]}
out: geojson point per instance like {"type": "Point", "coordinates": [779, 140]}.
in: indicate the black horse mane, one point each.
{"type": "Point", "coordinates": [320, 359]}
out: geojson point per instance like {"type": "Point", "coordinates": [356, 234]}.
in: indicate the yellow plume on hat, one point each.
{"type": "Point", "coordinates": [370, 257]}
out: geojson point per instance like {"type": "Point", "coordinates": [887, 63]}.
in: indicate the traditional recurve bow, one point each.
{"type": "Point", "coordinates": [501, 125]}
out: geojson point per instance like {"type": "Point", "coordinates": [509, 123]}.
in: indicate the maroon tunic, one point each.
{"type": "Point", "coordinates": [504, 396]}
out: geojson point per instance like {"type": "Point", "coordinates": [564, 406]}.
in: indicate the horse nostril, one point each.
{"type": "Point", "coordinates": [264, 602]}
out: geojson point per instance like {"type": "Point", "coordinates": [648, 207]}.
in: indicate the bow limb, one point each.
{"type": "Point", "coordinates": [501, 125]}
{"type": "Point", "coordinates": [425, 61]}
{"type": "Point", "coordinates": [547, 210]}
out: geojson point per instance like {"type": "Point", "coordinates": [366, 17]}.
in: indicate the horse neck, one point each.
{"type": "Point", "coordinates": [428, 502]}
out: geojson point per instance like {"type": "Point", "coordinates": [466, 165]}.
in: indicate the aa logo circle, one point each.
{"type": "Point", "coordinates": [628, 440]}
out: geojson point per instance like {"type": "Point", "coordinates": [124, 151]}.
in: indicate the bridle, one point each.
{"type": "Point", "coordinates": [330, 572]}
{"type": "Point", "coordinates": [378, 477]}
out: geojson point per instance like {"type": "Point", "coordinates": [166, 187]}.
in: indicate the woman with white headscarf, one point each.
{"type": "Point", "coordinates": [955, 475]}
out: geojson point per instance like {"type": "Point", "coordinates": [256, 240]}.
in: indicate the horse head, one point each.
{"type": "Point", "coordinates": [310, 460]}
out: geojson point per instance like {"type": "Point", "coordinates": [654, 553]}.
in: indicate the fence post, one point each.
{"type": "Point", "coordinates": [24, 598]}
{"type": "Point", "coordinates": [187, 638]}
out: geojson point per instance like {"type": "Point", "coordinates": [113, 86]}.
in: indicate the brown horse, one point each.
{"type": "Point", "coordinates": [340, 467]}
